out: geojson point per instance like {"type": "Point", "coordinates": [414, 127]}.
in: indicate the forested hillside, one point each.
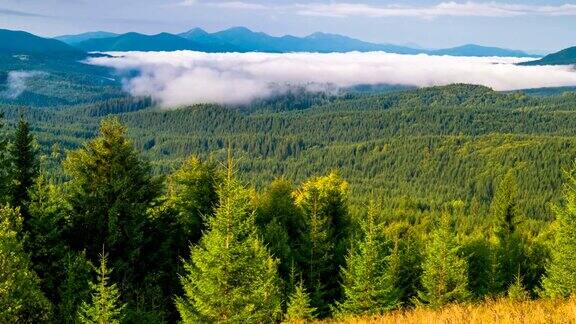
{"type": "Point", "coordinates": [421, 147]}
{"type": "Point", "coordinates": [299, 207]}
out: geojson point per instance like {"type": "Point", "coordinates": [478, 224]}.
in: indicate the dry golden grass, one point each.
{"type": "Point", "coordinates": [501, 311]}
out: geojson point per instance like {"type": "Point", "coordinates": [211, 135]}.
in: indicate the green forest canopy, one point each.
{"type": "Point", "coordinates": [473, 171]}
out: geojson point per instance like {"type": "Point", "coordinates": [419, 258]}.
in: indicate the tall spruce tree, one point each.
{"type": "Point", "coordinates": [322, 202]}
{"type": "Point", "coordinates": [560, 279]}
{"type": "Point", "coordinates": [105, 306]}
{"type": "Point", "coordinates": [444, 279]}
{"type": "Point", "coordinates": [47, 211]}
{"type": "Point", "coordinates": [280, 222]}
{"type": "Point", "coordinates": [109, 191]}
{"type": "Point", "coordinates": [21, 300]}
{"type": "Point", "coordinates": [176, 221]}
{"type": "Point", "coordinates": [5, 165]}
{"type": "Point", "coordinates": [230, 275]}
{"type": "Point", "coordinates": [25, 165]}
{"type": "Point", "coordinates": [509, 253]}
{"type": "Point", "coordinates": [370, 278]}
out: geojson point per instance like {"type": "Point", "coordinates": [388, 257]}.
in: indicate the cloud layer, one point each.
{"type": "Point", "coordinates": [446, 8]}
{"type": "Point", "coordinates": [186, 77]}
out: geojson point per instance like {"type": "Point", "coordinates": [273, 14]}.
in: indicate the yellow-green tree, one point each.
{"type": "Point", "coordinates": [324, 239]}
{"type": "Point", "coordinates": [230, 275]}
{"type": "Point", "coordinates": [105, 306]}
{"type": "Point", "coordinates": [560, 279]}
{"type": "Point", "coordinates": [445, 277]}
{"type": "Point", "coordinates": [21, 300]}
{"type": "Point", "coordinates": [370, 278]}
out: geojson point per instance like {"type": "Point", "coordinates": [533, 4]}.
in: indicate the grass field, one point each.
{"type": "Point", "coordinates": [500, 311]}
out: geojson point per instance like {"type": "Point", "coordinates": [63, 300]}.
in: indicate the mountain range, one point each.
{"type": "Point", "coordinates": [241, 39]}
{"type": "Point", "coordinates": [14, 43]}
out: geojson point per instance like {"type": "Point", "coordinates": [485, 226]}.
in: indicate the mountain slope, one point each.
{"type": "Point", "coordinates": [75, 39]}
{"type": "Point", "coordinates": [23, 43]}
{"type": "Point", "coordinates": [477, 50]}
{"type": "Point", "coordinates": [139, 42]}
{"type": "Point", "coordinates": [564, 57]}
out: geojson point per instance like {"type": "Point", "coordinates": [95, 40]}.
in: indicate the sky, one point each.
{"type": "Point", "coordinates": [536, 26]}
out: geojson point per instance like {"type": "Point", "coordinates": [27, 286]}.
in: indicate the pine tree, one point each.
{"type": "Point", "coordinates": [322, 202]}
{"type": "Point", "coordinates": [509, 243]}
{"type": "Point", "coordinates": [371, 272]}
{"type": "Point", "coordinates": [47, 211]}
{"type": "Point", "coordinates": [191, 195]}
{"type": "Point", "coordinates": [280, 222]}
{"type": "Point", "coordinates": [560, 279]}
{"type": "Point", "coordinates": [105, 306]}
{"type": "Point", "coordinates": [299, 309]}
{"type": "Point", "coordinates": [230, 276]}
{"type": "Point", "coordinates": [109, 191]}
{"type": "Point", "coordinates": [176, 221]}
{"type": "Point", "coordinates": [21, 300]}
{"type": "Point", "coordinates": [25, 165]}
{"type": "Point", "coordinates": [5, 165]}
{"type": "Point", "coordinates": [444, 279]}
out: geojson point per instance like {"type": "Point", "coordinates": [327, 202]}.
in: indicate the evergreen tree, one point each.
{"type": "Point", "coordinates": [191, 195]}
{"type": "Point", "coordinates": [21, 300]}
{"type": "Point", "coordinates": [25, 165]}
{"type": "Point", "coordinates": [280, 222]}
{"type": "Point", "coordinates": [322, 202]}
{"type": "Point", "coordinates": [230, 276]}
{"type": "Point", "coordinates": [370, 278]}
{"type": "Point", "coordinates": [47, 210]}
{"type": "Point", "coordinates": [444, 279]}
{"type": "Point", "coordinates": [560, 279]}
{"type": "Point", "coordinates": [176, 221]}
{"type": "Point", "coordinates": [74, 288]}
{"type": "Point", "coordinates": [509, 258]}
{"type": "Point", "coordinates": [299, 309]}
{"type": "Point", "coordinates": [407, 257]}
{"type": "Point", "coordinates": [480, 256]}
{"type": "Point", "coordinates": [109, 191]}
{"type": "Point", "coordinates": [5, 165]}
{"type": "Point", "coordinates": [105, 306]}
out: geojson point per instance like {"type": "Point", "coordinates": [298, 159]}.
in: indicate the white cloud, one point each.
{"type": "Point", "coordinates": [448, 8]}
{"type": "Point", "coordinates": [185, 77]}
{"type": "Point", "coordinates": [461, 9]}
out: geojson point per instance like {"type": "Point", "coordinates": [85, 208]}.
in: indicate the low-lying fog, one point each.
{"type": "Point", "coordinates": [186, 77]}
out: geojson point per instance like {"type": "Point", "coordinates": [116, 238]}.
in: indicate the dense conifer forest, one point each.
{"type": "Point", "coordinates": [302, 207]}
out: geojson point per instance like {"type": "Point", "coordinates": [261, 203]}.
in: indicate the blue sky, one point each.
{"type": "Point", "coordinates": [532, 25]}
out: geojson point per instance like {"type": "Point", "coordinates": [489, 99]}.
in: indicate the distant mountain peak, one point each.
{"type": "Point", "coordinates": [239, 29]}
{"type": "Point", "coordinates": [75, 39]}
{"type": "Point", "coordinates": [194, 32]}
